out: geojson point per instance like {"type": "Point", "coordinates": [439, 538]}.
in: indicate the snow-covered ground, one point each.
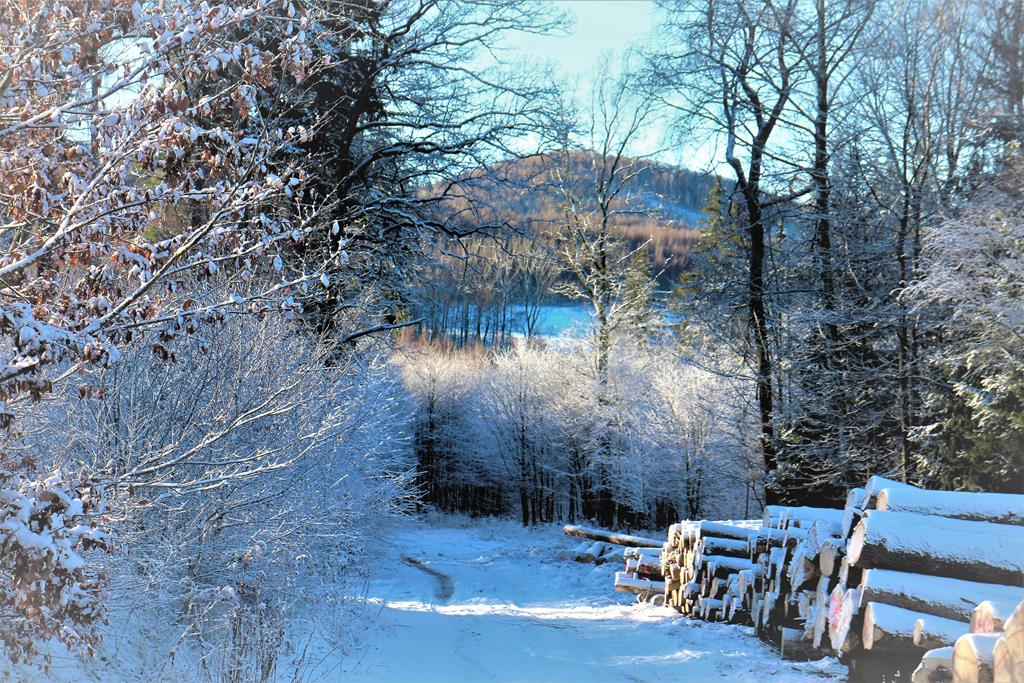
{"type": "Point", "coordinates": [518, 613]}
{"type": "Point", "coordinates": [455, 600]}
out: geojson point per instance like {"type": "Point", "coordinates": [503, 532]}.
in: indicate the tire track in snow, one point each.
{"type": "Point", "coordinates": [445, 586]}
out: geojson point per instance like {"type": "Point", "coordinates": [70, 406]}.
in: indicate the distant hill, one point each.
{"type": "Point", "coordinates": [664, 203]}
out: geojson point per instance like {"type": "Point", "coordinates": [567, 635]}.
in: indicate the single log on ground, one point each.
{"type": "Point", "coordinates": [579, 550]}
{"type": "Point", "coordinates": [1000, 508]}
{"type": "Point", "coordinates": [611, 553]}
{"type": "Point", "coordinates": [889, 628]}
{"type": "Point", "coordinates": [939, 595]}
{"type": "Point", "coordinates": [936, 666]}
{"type": "Point", "coordinates": [984, 554]}
{"type": "Point", "coordinates": [611, 537]}
{"type": "Point", "coordinates": [1008, 664]}
{"type": "Point", "coordinates": [931, 631]}
{"type": "Point", "coordinates": [592, 553]}
{"type": "Point", "coordinates": [973, 657]}
{"type": "Point", "coordinates": [626, 583]}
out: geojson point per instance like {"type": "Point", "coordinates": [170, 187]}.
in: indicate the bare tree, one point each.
{"type": "Point", "coordinates": [595, 191]}
{"type": "Point", "coordinates": [737, 77]}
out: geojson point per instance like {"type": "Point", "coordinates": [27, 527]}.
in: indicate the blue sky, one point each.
{"type": "Point", "coordinates": [598, 28]}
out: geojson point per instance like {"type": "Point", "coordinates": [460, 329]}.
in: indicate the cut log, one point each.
{"type": "Point", "coordinates": [973, 658]}
{"type": "Point", "coordinates": [851, 511]}
{"type": "Point", "coordinates": [1000, 508]}
{"type": "Point", "coordinates": [982, 555]}
{"type": "Point", "coordinates": [722, 565]}
{"type": "Point", "coordinates": [713, 545]}
{"type": "Point", "coordinates": [611, 537]}
{"type": "Point", "coordinates": [835, 606]}
{"type": "Point", "coordinates": [874, 486]}
{"type": "Point", "coordinates": [851, 644]}
{"type": "Point", "coordinates": [637, 552]}
{"type": "Point", "coordinates": [738, 614]}
{"type": "Point", "coordinates": [611, 553]}
{"type": "Point", "coordinates": [819, 613]}
{"type": "Point", "coordinates": [626, 583]}
{"type": "Point", "coordinates": [781, 517]}
{"type": "Point", "coordinates": [990, 616]}
{"type": "Point", "coordinates": [889, 628]}
{"type": "Point", "coordinates": [936, 666]}
{"type": "Point", "coordinates": [592, 553]}
{"type": "Point", "coordinates": [766, 539]}
{"type": "Point", "coordinates": [1008, 661]}
{"type": "Point", "coordinates": [827, 564]}
{"type": "Point", "coordinates": [724, 530]}
{"type": "Point", "coordinates": [802, 569]}
{"type": "Point", "coordinates": [1010, 532]}
{"type": "Point", "coordinates": [939, 595]}
{"type": "Point", "coordinates": [931, 631]}
{"type": "Point", "coordinates": [708, 605]}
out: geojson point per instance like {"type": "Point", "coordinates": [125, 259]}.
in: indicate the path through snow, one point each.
{"type": "Point", "coordinates": [516, 613]}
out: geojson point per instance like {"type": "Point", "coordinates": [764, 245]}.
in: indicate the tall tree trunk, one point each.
{"type": "Point", "coordinates": [759, 325]}
{"type": "Point", "coordinates": [821, 181]}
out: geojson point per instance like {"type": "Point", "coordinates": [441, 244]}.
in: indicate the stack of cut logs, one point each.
{"type": "Point", "coordinates": [900, 579]}
{"type": "Point", "coordinates": [923, 568]}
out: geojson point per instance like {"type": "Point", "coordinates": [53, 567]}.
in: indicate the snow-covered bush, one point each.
{"type": "Point", "coordinates": [244, 480]}
{"type": "Point", "coordinates": [45, 588]}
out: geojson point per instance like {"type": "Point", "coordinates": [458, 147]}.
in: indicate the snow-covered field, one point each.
{"type": "Point", "coordinates": [456, 600]}
{"type": "Point", "coordinates": [517, 613]}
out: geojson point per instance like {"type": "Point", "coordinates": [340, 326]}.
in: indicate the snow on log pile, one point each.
{"type": "Point", "coordinates": [923, 570]}
{"type": "Point", "coordinates": [900, 580]}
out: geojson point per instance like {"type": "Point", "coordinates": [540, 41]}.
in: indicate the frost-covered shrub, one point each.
{"type": "Point", "coordinates": [245, 478]}
{"type": "Point", "coordinates": [46, 589]}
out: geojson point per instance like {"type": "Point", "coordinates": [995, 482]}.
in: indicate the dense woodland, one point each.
{"type": "Point", "coordinates": [271, 273]}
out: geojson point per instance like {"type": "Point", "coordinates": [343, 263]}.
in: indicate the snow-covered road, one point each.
{"type": "Point", "coordinates": [517, 613]}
